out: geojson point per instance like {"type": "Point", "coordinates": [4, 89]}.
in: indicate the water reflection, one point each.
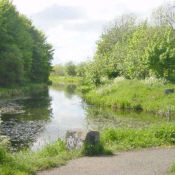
{"type": "Point", "coordinates": [49, 115]}
{"type": "Point", "coordinates": [23, 129]}
{"type": "Point", "coordinates": [105, 117]}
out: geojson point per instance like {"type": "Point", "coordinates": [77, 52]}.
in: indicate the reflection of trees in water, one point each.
{"type": "Point", "coordinates": [37, 107]}
{"type": "Point", "coordinates": [70, 90]}
{"type": "Point", "coordinates": [23, 129]}
{"type": "Point", "coordinates": [105, 117]}
{"type": "Point", "coordinates": [98, 118]}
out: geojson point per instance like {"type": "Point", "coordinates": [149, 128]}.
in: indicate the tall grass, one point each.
{"type": "Point", "coordinates": [28, 162]}
{"type": "Point", "coordinates": [134, 94]}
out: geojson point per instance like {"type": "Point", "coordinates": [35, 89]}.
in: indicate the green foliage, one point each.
{"type": "Point", "coordinates": [25, 56]}
{"type": "Point", "coordinates": [70, 69]}
{"type": "Point", "coordinates": [28, 89]}
{"type": "Point", "coordinates": [135, 50]}
{"type": "Point", "coordinates": [127, 138]}
{"type": "Point", "coordinates": [11, 67]}
{"type": "Point", "coordinates": [81, 69]}
{"type": "Point", "coordinates": [28, 162]}
{"type": "Point", "coordinates": [147, 95]}
{"type": "Point", "coordinates": [58, 70]}
{"type": "Point", "coordinates": [173, 167]}
{"type": "Point", "coordinates": [161, 55]}
{"type": "Point", "coordinates": [3, 155]}
{"type": "Point", "coordinates": [97, 149]}
{"type": "Point", "coordinates": [90, 150]}
{"type": "Point", "coordinates": [56, 80]}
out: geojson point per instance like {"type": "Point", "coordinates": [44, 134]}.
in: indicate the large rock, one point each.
{"type": "Point", "coordinates": [92, 138]}
{"type": "Point", "coordinates": [169, 91]}
{"type": "Point", "coordinates": [75, 139]}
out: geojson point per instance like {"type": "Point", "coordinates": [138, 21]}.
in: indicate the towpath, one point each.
{"type": "Point", "coordinates": [156, 161]}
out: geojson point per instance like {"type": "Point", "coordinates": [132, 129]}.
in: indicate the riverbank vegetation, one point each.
{"type": "Point", "coordinates": [56, 154]}
{"type": "Point", "coordinates": [148, 95]}
{"type": "Point", "coordinates": [133, 66]}
{"type": "Point", "coordinates": [57, 80]}
{"type": "Point", "coordinates": [28, 162]}
{"type": "Point", "coordinates": [25, 55]}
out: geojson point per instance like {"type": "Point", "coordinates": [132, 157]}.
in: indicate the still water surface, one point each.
{"type": "Point", "coordinates": [49, 116]}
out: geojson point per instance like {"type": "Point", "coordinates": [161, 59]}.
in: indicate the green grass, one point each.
{"type": "Point", "coordinates": [54, 155]}
{"type": "Point", "coordinates": [28, 162]}
{"type": "Point", "coordinates": [172, 170]}
{"type": "Point", "coordinates": [128, 139]}
{"type": "Point", "coordinates": [134, 94]}
{"type": "Point", "coordinates": [64, 80]}
{"type": "Point", "coordinates": [95, 150]}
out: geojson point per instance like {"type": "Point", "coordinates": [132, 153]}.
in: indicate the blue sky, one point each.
{"type": "Point", "coordinates": [73, 26]}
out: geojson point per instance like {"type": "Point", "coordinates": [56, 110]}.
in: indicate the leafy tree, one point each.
{"type": "Point", "coordinates": [164, 15]}
{"type": "Point", "coordinates": [25, 55]}
{"type": "Point", "coordinates": [136, 50]}
{"type": "Point", "coordinates": [11, 67]}
{"type": "Point", "coordinates": [58, 70]}
{"type": "Point", "coordinates": [161, 55]}
{"type": "Point", "coordinates": [81, 69]}
{"type": "Point", "coordinates": [70, 68]}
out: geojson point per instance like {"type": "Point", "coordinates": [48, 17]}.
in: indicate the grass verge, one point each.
{"type": "Point", "coordinates": [128, 139]}
{"type": "Point", "coordinates": [27, 162]}
{"type": "Point", "coordinates": [134, 94]}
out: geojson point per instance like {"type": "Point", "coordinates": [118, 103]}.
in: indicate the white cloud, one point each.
{"type": "Point", "coordinates": [73, 26]}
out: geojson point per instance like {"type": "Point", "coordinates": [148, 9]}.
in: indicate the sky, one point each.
{"type": "Point", "coordinates": [74, 26]}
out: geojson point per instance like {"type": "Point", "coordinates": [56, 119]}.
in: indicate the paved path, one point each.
{"type": "Point", "coordinates": [155, 161]}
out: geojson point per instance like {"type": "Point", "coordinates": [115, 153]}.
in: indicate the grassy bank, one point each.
{"type": "Point", "coordinates": [27, 162]}
{"type": "Point", "coordinates": [64, 80]}
{"type": "Point", "coordinates": [128, 139]}
{"type": "Point", "coordinates": [134, 94]}
{"type": "Point", "coordinates": [23, 90]}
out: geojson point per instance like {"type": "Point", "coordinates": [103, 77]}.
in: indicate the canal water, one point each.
{"type": "Point", "coordinates": [48, 116]}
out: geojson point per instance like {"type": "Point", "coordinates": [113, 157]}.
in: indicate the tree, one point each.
{"type": "Point", "coordinates": [11, 67]}
{"type": "Point", "coordinates": [164, 15]}
{"type": "Point", "coordinates": [161, 55]}
{"type": "Point", "coordinates": [23, 46]}
{"type": "Point", "coordinates": [58, 70]}
{"type": "Point", "coordinates": [70, 68]}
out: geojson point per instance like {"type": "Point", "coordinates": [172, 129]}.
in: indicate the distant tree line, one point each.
{"type": "Point", "coordinates": [25, 55]}
{"type": "Point", "coordinates": [70, 69]}
{"type": "Point", "coordinates": [132, 48]}
{"type": "Point", "coordinates": [136, 49]}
